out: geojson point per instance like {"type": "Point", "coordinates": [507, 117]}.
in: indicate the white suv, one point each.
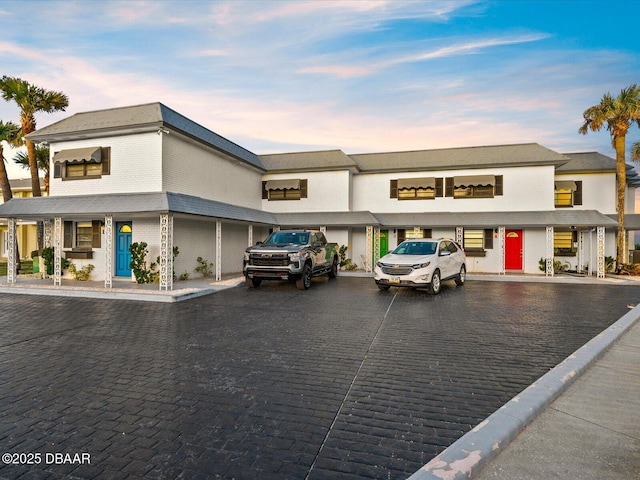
{"type": "Point", "coordinates": [422, 263]}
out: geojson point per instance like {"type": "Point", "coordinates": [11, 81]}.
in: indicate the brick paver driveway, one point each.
{"type": "Point", "coordinates": [340, 381]}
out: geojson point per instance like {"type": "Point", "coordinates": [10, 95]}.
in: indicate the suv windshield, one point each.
{"type": "Point", "coordinates": [286, 238]}
{"type": "Point", "coordinates": [416, 248]}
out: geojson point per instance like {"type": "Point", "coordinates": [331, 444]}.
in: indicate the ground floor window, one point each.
{"type": "Point", "coordinates": [477, 240]}
{"type": "Point", "coordinates": [409, 233]}
{"type": "Point", "coordinates": [563, 242]}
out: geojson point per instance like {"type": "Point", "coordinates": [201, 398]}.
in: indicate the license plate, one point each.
{"type": "Point", "coordinates": [394, 280]}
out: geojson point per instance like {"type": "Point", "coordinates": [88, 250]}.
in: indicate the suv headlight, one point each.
{"type": "Point", "coordinates": [420, 265]}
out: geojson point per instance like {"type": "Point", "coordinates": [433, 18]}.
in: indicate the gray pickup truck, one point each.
{"type": "Point", "coordinates": [294, 255]}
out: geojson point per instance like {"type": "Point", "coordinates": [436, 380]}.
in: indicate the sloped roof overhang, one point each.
{"type": "Point", "coordinates": [533, 219]}
{"type": "Point", "coordinates": [135, 205]}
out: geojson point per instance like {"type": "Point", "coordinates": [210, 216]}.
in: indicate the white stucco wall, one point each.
{"type": "Point", "coordinates": [326, 192]}
{"type": "Point", "coordinates": [524, 188]}
{"type": "Point", "coordinates": [598, 191]}
{"type": "Point", "coordinates": [135, 166]}
{"type": "Point", "coordinates": [192, 169]}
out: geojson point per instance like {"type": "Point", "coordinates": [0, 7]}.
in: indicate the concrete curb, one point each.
{"type": "Point", "coordinates": [470, 453]}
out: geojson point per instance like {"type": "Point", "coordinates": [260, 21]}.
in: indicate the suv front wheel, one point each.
{"type": "Point", "coordinates": [434, 288]}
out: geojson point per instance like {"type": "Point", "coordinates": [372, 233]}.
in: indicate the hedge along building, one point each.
{"type": "Point", "coordinates": [148, 174]}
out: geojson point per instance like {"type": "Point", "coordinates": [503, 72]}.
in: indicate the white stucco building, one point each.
{"type": "Point", "coordinates": [147, 173]}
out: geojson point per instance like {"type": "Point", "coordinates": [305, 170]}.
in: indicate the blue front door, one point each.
{"type": "Point", "coordinates": [123, 242]}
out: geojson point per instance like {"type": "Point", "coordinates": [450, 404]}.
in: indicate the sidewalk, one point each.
{"type": "Point", "coordinates": [579, 421]}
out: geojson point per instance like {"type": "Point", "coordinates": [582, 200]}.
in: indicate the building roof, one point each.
{"type": "Point", "coordinates": [92, 206]}
{"type": "Point", "coordinates": [300, 161]}
{"type": "Point", "coordinates": [594, 162]}
{"type": "Point", "coordinates": [142, 204]}
{"type": "Point", "coordinates": [328, 219]}
{"type": "Point", "coordinates": [554, 218]}
{"type": "Point", "coordinates": [22, 184]}
{"type": "Point", "coordinates": [138, 119]}
{"type": "Point", "coordinates": [460, 158]}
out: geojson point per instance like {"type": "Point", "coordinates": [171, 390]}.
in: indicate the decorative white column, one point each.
{"type": "Point", "coordinates": [580, 266]}
{"type": "Point", "coordinates": [376, 246]}
{"type": "Point", "coordinates": [369, 250]}
{"type": "Point", "coordinates": [549, 262]}
{"type": "Point", "coordinates": [108, 251]}
{"type": "Point", "coordinates": [323, 229]}
{"type": "Point", "coordinates": [57, 251]}
{"type": "Point", "coordinates": [601, 260]}
{"type": "Point", "coordinates": [166, 251]}
{"type": "Point", "coordinates": [501, 246]}
{"type": "Point", "coordinates": [11, 250]}
{"type": "Point", "coordinates": [218, 251]}
{"type": "Point", "coordinates": [250, 235]}
{"type": "Point", "coordinates": [46, 225]}
{"type": "Point", "coordinates": [460, 236]}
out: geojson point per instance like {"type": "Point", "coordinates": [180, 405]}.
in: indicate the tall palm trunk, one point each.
{"type": "Point", "coordinates": [621, 176]}
{"type": "Point", "coordinates": [4, 179]}
{"type": "Point", "coordinates": [7, 195]}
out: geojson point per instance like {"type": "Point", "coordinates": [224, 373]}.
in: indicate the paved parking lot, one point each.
{"type": "Point", "coordinates": [340, 381]}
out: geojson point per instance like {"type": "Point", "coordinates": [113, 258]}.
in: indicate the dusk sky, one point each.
{"type": "Point", "coordinates": [361, 76]}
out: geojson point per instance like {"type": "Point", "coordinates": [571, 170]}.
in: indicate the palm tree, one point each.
{"type": "Point", "coordinates": [8, 133]}
{"type": "Point", "coordinates": [42, 159]}
{"type": "Point", "coordinates": [31, 99]}
{"type": "Point", "coordinates": [618, 113]}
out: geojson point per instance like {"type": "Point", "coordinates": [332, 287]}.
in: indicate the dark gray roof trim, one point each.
{"type": "Point", "coordinates": [302, 161]}
{"type": "Point", "coordinates": [328, 219]}
{"type": "Point", "coordinates": [557, 218]}
{"type": "Point", "coordinates": [631, 220]}
{"type": "Point", "coordinates": [129, 204]}
{"type": "Point", "coordinates": [138, 118]}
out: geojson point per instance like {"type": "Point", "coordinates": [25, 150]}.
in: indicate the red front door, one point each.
{"type": "Point", "coordinates": [513, 250]}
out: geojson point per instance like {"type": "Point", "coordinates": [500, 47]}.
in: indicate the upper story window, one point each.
{"type": "Point", "coordinates": [567, 193]}
{"type": "Point", "coordinates": [474, 186]}
{"type": "Point", "coordinates": [82, 163]}
{"type": "Point", "coordinates": [416, 188]}
{"type": "Point", "coordinates": [289, 189]}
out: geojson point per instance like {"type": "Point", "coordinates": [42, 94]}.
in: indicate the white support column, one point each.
{"type": "Point", "coordinates": [601, 261]}
{"type": "Point", "coordinates": [549, 262]}
{"type": "Point", "coordinates": [166, 251]}
{"type": "Point", "coordinates": [57, 251]}
{"type": "Point", "coordinates": [46, 225]}
{"type": "Point", "coordinates": [369, 250]}
{"type": "Point", "coordinates": [460, 236]}
{"type": "Point", "coordinates": [580, 266]}
{"type": "Point", "coordinates": [250, 235]}
{"type": "Point", "coordinates": [11, 250]}
{"type": "Point", "coordinates": [323, 229]}
{"type": "Point", "coordinates": [108, 251]}
{"type": "Point", "coordinates": [501, 246]}
{"type": "Point", "coordinates": [376, 247]}
{"type": "Point", "coordinates": [417, 232]}
{"type": "Point", "coordinates": [218, 251]}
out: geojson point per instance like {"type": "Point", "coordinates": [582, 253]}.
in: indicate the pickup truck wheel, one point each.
{"type": "Point", "coordinates": [384, 288]}
{"type": "Point", "coordinates": [304, 282]}
{"type": "Point", "coordinates": [333, 273]}
{"type": "Point", "coordinates": [252, 282]}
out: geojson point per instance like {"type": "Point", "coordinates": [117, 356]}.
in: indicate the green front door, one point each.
{"type": "Point", "coordinates": [384, 242]}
